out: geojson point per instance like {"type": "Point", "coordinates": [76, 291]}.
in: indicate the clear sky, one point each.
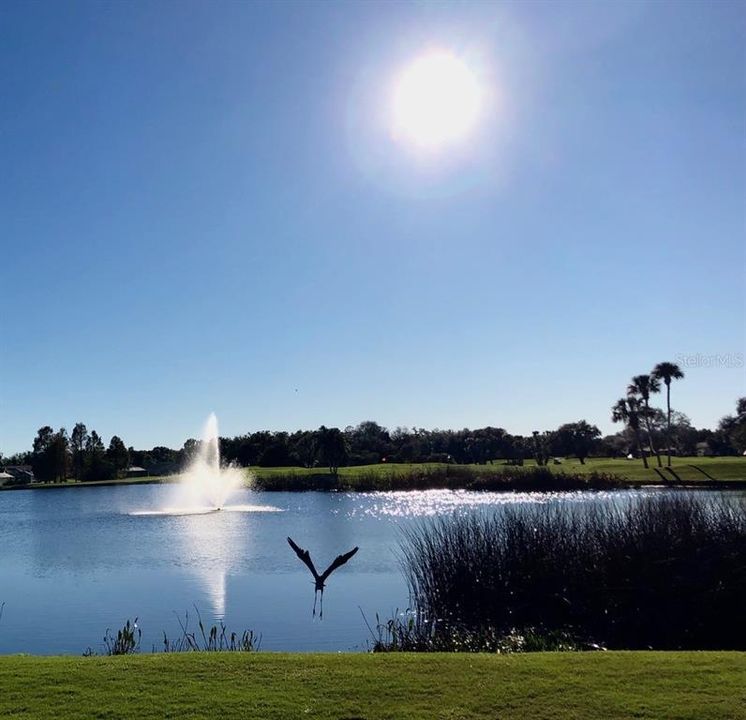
{"type": "Point", "coordinates": [203, 208]}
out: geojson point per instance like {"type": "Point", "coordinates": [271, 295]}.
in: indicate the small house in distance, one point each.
{"type": "Point", "coordinates": [20, 475]}
{"type": "Point", "coordinates": [135, 471]}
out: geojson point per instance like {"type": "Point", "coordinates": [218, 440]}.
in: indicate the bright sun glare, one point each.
{"type": "Point", "coordinates": [436, 101]}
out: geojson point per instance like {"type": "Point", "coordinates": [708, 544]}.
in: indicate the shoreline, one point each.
{"type": "Point", "coordinates": [324, 486]}
{"type": "Point", "coordinates": [692, 473]}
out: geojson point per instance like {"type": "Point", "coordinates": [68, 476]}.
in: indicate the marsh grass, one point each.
{"type": "Point", "coordinates": [403, 633]}
{"type": "Point", "coordinates": [215, 639]}
{"type": "Point", "coordinates": [125, 642]}
{"type": "Point", "coordinates": [663, 572]}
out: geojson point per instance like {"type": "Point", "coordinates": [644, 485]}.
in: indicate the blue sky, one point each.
{"type": "Point", "coordinates": [202, 209]}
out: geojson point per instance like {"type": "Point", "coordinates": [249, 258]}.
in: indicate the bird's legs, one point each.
{"type": "Point", "coordinates": [315, 595]}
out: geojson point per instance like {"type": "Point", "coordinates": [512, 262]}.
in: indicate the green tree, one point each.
{"type": "Point", "coordinates": [78, 439]}
{"type": "Point", "coordinates": [21, 458]}
{"type": "Point", "coordinates": [542, 445]}
{"type": "Point", "coordinates": [303, 448]}
{"type": "Point", "coordinates": [643, 386]}
{"type": "Point", "coordinates": [41, 459]}
{"type": "Point", "coordinates": [190, 450]}
{"type": "Point", "coordinates": [96, 465]}
{"type": "Point", "coordinates": [331, 447]}
{"type": "Point", "coordinates": [667, 371]}
{"type": "Point", "coordinates": [50, 459]}
{"type": "Point", "coordinates": [576, 438]}
{"type": "Point", "coordinates": [627, 410]}
{"type": "Point", "coordinates": [61, 455]}
{"type": "Point", "coordinates": [684, 437]}
{"type": "Point", "coordinates": [731, 432]}
{"type": "Point", "coordinates": [368, 443]}
{"type": "Point", "coordinates": [118, 455]}
{"type": "Point", "coordinates": [738, 439]}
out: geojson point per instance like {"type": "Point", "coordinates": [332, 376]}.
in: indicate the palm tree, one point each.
{"type": "Point", "coordinates": [627, 410]}
{"type": "Point", "coordinates": [668, 371]}
{"type": "Point", "coordinates": [643, 386]}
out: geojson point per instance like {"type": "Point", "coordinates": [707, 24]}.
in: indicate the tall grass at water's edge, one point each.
{"type": "Point", "coordinates": [664, 572]}
{"type": "Point", "coordinates": [217, 638]}
{"type": "Point", "coordinates": [456, 477]}
{"type": "Point", "coordinates": [404, 633]}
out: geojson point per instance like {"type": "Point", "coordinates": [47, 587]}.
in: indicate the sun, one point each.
{"type": "Point", "coordinates": [436, 101]}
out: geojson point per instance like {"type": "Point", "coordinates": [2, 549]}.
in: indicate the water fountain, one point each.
{"type": "Point", "coordinates": [210, 538]}
{"type": "Point", "coordinates": [205, 486]}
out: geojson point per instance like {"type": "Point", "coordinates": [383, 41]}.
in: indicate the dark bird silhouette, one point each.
{"type": "Point", "coordinates": [320, 580]}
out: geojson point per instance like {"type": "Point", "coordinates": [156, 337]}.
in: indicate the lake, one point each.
{"type": "Point", "coordinates": [74, 562]}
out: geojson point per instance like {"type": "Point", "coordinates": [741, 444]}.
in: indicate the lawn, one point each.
{"type": "Point", "coordinates": [560, 686]}
{"type": "Point", "coordinates": [721, 468]}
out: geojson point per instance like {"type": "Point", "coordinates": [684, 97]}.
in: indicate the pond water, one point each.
{"type": "Point", "coordinates": [74, 562]}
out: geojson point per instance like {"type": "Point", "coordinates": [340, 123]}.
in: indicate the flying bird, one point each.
{"type": "Point", "coordinates": [320, 580]}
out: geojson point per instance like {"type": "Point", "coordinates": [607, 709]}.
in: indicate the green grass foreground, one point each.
{"type": "Point", "coordinates": [697, 686]}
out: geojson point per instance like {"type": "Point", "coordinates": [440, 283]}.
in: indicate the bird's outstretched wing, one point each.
{"type": "Point", "coordinates": [305, 557]}
{"type": "Point", "coordinates": [338, 562]}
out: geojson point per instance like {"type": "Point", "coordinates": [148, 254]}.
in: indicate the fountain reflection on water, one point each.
{"type": "Point", "coordinates": [210, 544]}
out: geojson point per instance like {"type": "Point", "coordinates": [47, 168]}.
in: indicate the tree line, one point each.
{"type": "Point", "coordinates": [648, 432]}
{"type": "Point", "coordinates": [81, 455]}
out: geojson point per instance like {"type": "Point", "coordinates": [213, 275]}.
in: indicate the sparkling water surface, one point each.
{"type": "Point", "coordinates": [74, 562]}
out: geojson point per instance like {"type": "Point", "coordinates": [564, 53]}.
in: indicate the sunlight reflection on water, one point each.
{"type": "Point", "coordinates": [427, 503]}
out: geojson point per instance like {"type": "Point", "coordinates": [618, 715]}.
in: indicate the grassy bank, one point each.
{"type": "Point", "coordinates": [689, 469]}
{"type": "Point", "coordinates": [701, 686]}
{"type": "Point", "coordinates": [570, 474]}
{"type": "Point", "coordinates": [451, 477]}
{"type": "Point", "coordinates": [722, 468]}
{"type": "Point", "coordinates": [596, 473]}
